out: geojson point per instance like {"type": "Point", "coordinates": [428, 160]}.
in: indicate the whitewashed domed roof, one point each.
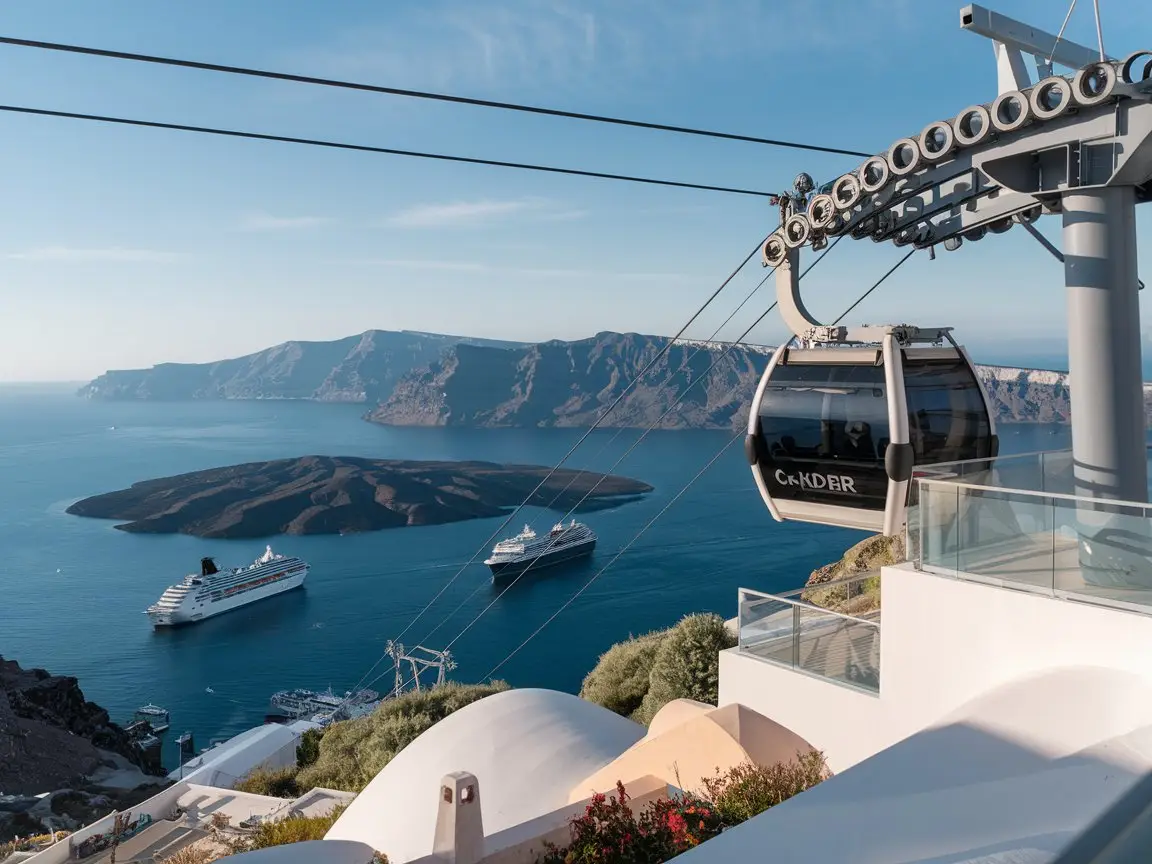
{"type": "Point", "coordinates": [527, 748]}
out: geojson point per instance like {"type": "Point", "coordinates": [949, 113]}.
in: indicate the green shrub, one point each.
{"type": "Point", "coordinates": [745, 790]}
{"type": "Point", "coordinates": [687, 664]}
{"type": "Point", "coordinates": [308, 750]}
{"type": "Point", "coordinates": [294, 829]}
{"type": "Point", "coordinates": [619, 680]}
{"type": "Point", "coordinates": [353, 752]}
{"type": "Point", "coordinates": [279, 783]}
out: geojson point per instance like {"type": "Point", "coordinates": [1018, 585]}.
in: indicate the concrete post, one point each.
{"type": "Point", "coordinates": [459, 827]}
{"type": "Point", "coordinates": [1104, 344]}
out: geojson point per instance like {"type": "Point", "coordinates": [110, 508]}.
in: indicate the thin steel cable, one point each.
{"type": "Point", "coordinates": [611, 407]}
{"type": "Point", "coordinates": [687, 361]}
{"type": "Point", "coordinates": [879, 282]}
{"type": "Point", "coordinates": [1060, 35]}
{"type": "Point", "coordinates": [652, 426]}
{"type": "Point", "coordinates": [416, 94]}
{"type": "Point", "coordinates": [389, 151]}
{"type": "Point", "coordinates": [639, 534]}
{"type": "Point", "coordinates": [1099, 31]}
{"type": "Point", "coordinates": [596, 575]}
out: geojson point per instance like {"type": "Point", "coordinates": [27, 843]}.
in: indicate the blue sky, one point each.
{"type": "Point", "coordinates": [122, 248]}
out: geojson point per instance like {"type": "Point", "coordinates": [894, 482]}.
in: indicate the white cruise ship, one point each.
{"type": "Point", "coordinates": [526, 549]}
{"type": "Point", "coordinates": [213, 591]}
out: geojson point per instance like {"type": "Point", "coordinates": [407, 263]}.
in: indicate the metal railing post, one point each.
{"type": "Point", "coordinates": [795, 637]}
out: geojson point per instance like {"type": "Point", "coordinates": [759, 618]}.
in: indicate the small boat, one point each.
{"type": "Point", "coordinates": [156, 717]}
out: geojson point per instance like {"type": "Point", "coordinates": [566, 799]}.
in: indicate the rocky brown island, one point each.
{"type": "Point", "coordinates": [344, 494]}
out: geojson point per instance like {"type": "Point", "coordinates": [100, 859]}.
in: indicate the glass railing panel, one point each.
{"type": "Point", "coordinates": [936, 544]}
{"type": "Point", "coordinates": [854, 595]}
{"type": "Point", "coordinates": [766, 627]}
{"type": "Point", "coordinates": [840, 648]}
{"type": "Point", "coordinates": [1103, 550]}
{"type": "Point", "coordinates": [1047, 471]}
{"type": "Point", "coordinates": [1007, 536]}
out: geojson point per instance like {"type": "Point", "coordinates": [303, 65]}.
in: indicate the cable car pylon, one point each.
{"type": "Point", "coordinates": [1078, 145]}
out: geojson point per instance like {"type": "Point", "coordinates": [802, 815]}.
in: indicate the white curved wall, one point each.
{"type": "Point", "coordinates": [1012, 775]}
{"type": "Point", "coordinates": [527, 749]}
{"type": "Point", "coordinates": [943, 642]}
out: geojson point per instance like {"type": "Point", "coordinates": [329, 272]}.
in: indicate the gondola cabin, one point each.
{"type": "Point", "coordinates": [836, 429]}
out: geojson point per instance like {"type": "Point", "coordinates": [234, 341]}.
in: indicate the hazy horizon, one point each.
{"type": "Point", "coordinates": [123, 247]}
{"type": "Point", "coordinates": [1031, 353]}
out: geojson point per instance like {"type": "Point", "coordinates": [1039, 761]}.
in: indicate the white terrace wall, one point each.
{"type": "Point", "coordinates": [943, 642]}
{"type": "Point", "coordinates": [159, 806]}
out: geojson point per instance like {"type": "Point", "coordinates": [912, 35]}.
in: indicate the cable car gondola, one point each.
{"type": "Point", "coordinates": [838, 425]}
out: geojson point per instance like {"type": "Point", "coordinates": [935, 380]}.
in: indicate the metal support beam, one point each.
{"type": "Point", "coordinates": [1107, 391]}
{"type": "Point", "coordinates": [789, 302]}
{"type": "Point", "coordinates": [1021, 37]}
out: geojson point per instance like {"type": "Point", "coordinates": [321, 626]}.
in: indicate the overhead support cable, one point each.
{"type": "Point", "coordinates": [679, 494]}
{"type": "Point", "coordinates": [599, 420]}
{"type": "Point", "coordinates": [418, 94]}
{"type": "Point", "coordinates": [364, 148]}
{"type": "Point", "coordinates": [649, 429]}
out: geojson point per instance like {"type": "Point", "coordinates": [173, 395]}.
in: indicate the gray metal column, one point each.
{"type": "Point", "coordinates": [1104, 344]}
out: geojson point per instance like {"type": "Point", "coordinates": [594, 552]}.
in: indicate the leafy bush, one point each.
{"type": "Point", "coordinates": [610, 832]}
{"type": "Point", "coordinates": [353, 752]}
{"type": "Point", "coordinates": [745, 790]}
{"type": "Point", "coordinates": [279, 783]}
{"type": "Point", "coordinates": [619, 680]}
{"type": "Point", "coordinates": [308, 750]}
{"type": "Point", "coordinates": [687, 664]}
{"type": "Point", "coordinates": [192, 855]}
{"type": "Point", "coordinates": [294, 829]}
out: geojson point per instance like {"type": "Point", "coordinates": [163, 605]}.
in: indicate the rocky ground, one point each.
{"type": "Point", "coordinates": [52, 739]}
{"type": "Point", "coordinates": [860, 596]}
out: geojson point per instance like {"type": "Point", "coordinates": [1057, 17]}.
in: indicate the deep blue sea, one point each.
{"type": "Point", "coordinates": [73, 590]}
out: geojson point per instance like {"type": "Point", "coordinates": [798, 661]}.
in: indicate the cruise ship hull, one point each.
{"type": "Point", "coordinates": [191, 612]}
{"type": "Point", "coordinates": [506, 569]}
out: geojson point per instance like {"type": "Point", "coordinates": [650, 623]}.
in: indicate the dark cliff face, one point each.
{"type": "Point", "coordinates": [49, 733]}
{"type": "Point", "coordinates": [426, 379]}
{"type": "Point", "coordinates": [361, 368]}
{"type": "Point", "coordinates": [572, 383]}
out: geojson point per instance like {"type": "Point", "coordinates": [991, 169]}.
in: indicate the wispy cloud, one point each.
{"type": "Point", "coordinates": [541, 272]}
{"type": "Point", "coordinates": [109, 253]}
{"type": "Point", "coordinates": [543, 45]}
{"type": "Point", "coordinates": [418, 264]}
{"type": "Point", "coordinates": [268, 222]}
{"type": "Point", "coordinates": [457, 214]}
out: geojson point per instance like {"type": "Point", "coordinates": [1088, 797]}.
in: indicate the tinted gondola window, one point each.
{"type": "Point", "coordinates": [947, 418]}
{"type": "Point", "coordinates": [824, 431]}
